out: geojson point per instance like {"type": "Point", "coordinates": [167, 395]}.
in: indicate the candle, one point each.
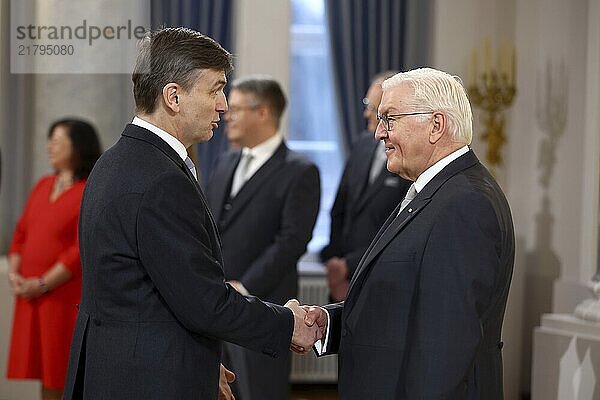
{"type": "Point", "coordinates": [504, 61]}
{"type": "Point", "coordinates": [487, 60]}
{"type": "Point", "coordinates": [512, 66]}
{"type": "Point", "coordinates": [473, 68]}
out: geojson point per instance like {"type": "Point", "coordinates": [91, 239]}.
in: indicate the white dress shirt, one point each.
{"type": "Point", "coordinates": [260, 154]}
{"type": "Point", "coordinates": [436, 168]}
{"type": "Point", "coordinates": [167, 137]}
{"type": "Point", "coordinates": [171, 141]}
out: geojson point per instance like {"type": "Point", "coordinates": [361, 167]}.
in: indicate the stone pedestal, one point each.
{"type": "Point", "coordinates": [566, 359]}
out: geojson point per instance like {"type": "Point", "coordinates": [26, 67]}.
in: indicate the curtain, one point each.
{"type": "Point", "coordinates": [214, 19]}
{"type": "Point", "coordinates": [367, 37]}
{"type": "Point", "coordinates": [15, 136]}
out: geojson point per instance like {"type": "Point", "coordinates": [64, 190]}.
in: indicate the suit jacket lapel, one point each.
{"type": "Point", "coordinates": [137, 132]}
{"type": "Point", "coordinates": [362, 174]}
{"type": "Point", "coordinates": [145, 135]}
{"type": "Point", "coordinates": [371, 190]}
{"type": "Point", "coordinates": [257, 181]}
{"type": "Point", "coordinates": [388, 231]}
{"type": "Point", "coordinates": [375, 240]}
{"type": "Point", "coordinates": [394, 225]}
{"type": "Point", "coordinates": [220, 189]}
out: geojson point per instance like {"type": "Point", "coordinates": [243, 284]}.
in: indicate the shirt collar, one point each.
{"type": "Point", "coordinates": [436, 168]}
{"type": "Point", "coordinates": [167, 137]}
{"type": "Point", "coordinates": [266, 148]}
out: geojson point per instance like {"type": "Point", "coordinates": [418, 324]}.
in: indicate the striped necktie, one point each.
{"type": "Point", "coordinates": [190, 164]}
{"type": "Point", "coordinates": [410, 195]}
{"type": "Point", "coordinates": [241, 173]}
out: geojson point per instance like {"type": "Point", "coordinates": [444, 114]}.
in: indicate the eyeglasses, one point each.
{"type": "Point", "coordinates": [388, 119]}
{"type": "Point", "coordinates": [234, 112]}
{"type": "Point", "coordinates": [368, 106]}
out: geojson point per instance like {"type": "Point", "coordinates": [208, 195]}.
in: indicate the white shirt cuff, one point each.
{"type": "Point", "coordinates": [321, 345]}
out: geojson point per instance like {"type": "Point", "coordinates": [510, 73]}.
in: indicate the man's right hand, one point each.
{"type": "Point", "coordinates": [304, 336]}
{"type": "Point", "coordinates": [316, 315]}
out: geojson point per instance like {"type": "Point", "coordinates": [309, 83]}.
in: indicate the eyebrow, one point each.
{"type": "Point", "coordinates": [389, 110]}
{"type": "Point", "coordinates": [220, 82]}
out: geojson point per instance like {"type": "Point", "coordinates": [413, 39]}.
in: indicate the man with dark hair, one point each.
{"type": "Point", "coordinates": [366, 195]}
{"type": "Point", "coordinates": [265, 199]}
{"type": "Point", "coordinates": [155, 305]}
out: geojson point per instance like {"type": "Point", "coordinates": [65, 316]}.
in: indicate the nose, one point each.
{"type": "Point", "coordinates": [221, 104]}
{"type": "Point", "coordinates": [380, 132]}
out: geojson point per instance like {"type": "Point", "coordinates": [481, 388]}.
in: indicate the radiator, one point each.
{"type": "Point", "coordinates": [312, 290]}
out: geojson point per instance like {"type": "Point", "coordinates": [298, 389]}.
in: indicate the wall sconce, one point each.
{"type": "Point", "coordinates": [493, 90]}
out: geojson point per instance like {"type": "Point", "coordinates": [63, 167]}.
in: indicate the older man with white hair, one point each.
{"type": "Point", "coordinates": [423, 315]}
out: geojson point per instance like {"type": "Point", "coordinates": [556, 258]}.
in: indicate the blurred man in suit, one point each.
{"type": "Point", "coordinates": [423, 316]}
{"type": "Point", "coordinates": [366, 195]}
{"type": "Point", "coordinates": [265, 199]}
{"type": "Point", "coordinates": [155, 306]}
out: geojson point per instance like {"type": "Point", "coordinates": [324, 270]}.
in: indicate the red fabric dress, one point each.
{"type": "Point", "coordinates": [42, 328]}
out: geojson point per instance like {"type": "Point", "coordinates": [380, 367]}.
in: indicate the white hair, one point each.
{"type": "Point", "coordinates": [439, 91]}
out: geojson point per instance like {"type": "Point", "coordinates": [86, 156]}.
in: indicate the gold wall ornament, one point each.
{"type": "Point", "coordinates": [493, 91]}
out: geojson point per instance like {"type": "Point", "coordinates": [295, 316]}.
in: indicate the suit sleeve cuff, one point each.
{"type": "Point", "coordinates": [321, 345]}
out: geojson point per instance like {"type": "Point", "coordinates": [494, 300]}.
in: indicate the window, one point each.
{"type": "Point", "coordinates": [313, 124]}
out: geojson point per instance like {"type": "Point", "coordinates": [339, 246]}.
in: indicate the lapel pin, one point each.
{"type": "Point", "coordinates": [410, 210]}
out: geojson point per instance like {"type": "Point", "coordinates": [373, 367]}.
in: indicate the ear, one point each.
{"type": "Point", "coordinates": [264, 112]}
{"type": "Point", "coordinates": [170, 96]}
{"type": "Point", "coordinates": [438, 126]}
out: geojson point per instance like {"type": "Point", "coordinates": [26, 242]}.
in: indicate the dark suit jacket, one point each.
{"type": "Point", "coordinates": [360, 209]}
{"type": "Point", "coordinates": [424, 312]}
{"type": "Point", "coordinates": [265, 229]}
{"type": "Point", "coordinates": [154, 305]}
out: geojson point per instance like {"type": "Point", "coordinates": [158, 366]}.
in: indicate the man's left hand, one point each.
{"type": "Point", "coordinates": [337, 270]}
{"type": "Point", "coordinates": [225, 378]}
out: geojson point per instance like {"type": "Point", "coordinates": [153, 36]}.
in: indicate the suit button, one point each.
{"type": "Point", "coordinates": [270, 352]}
{"type": "Point", "coordinates": [77, 305]}
{"type": "Point", "coordinates": [344, 332]}
{"type": "Point", "coordinates": [227, 206]}
{"type": "Point", "coordinates": [500, 345]}
{"type": "Point", "coordinates": [97, 322]}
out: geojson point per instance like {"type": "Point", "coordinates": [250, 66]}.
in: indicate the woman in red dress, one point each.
{"type": "Point", "coordinates": [44, 265]}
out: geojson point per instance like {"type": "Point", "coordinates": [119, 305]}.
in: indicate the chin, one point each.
{"type": "Point", "coordinates": [205, 136]}
{"type": "Point", "coordinates": [393, 168]}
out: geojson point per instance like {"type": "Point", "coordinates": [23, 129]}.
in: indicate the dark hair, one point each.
{"type": "Point", "coordinates": [266, 90]}
{"type": "Point", "coordinates": [173, 55]}
{"type": "Point", "coordinates": [85, 143]}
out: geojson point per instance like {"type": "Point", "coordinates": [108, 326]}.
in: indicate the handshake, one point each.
{"type": "Point", "coordinates": [310, 325]}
